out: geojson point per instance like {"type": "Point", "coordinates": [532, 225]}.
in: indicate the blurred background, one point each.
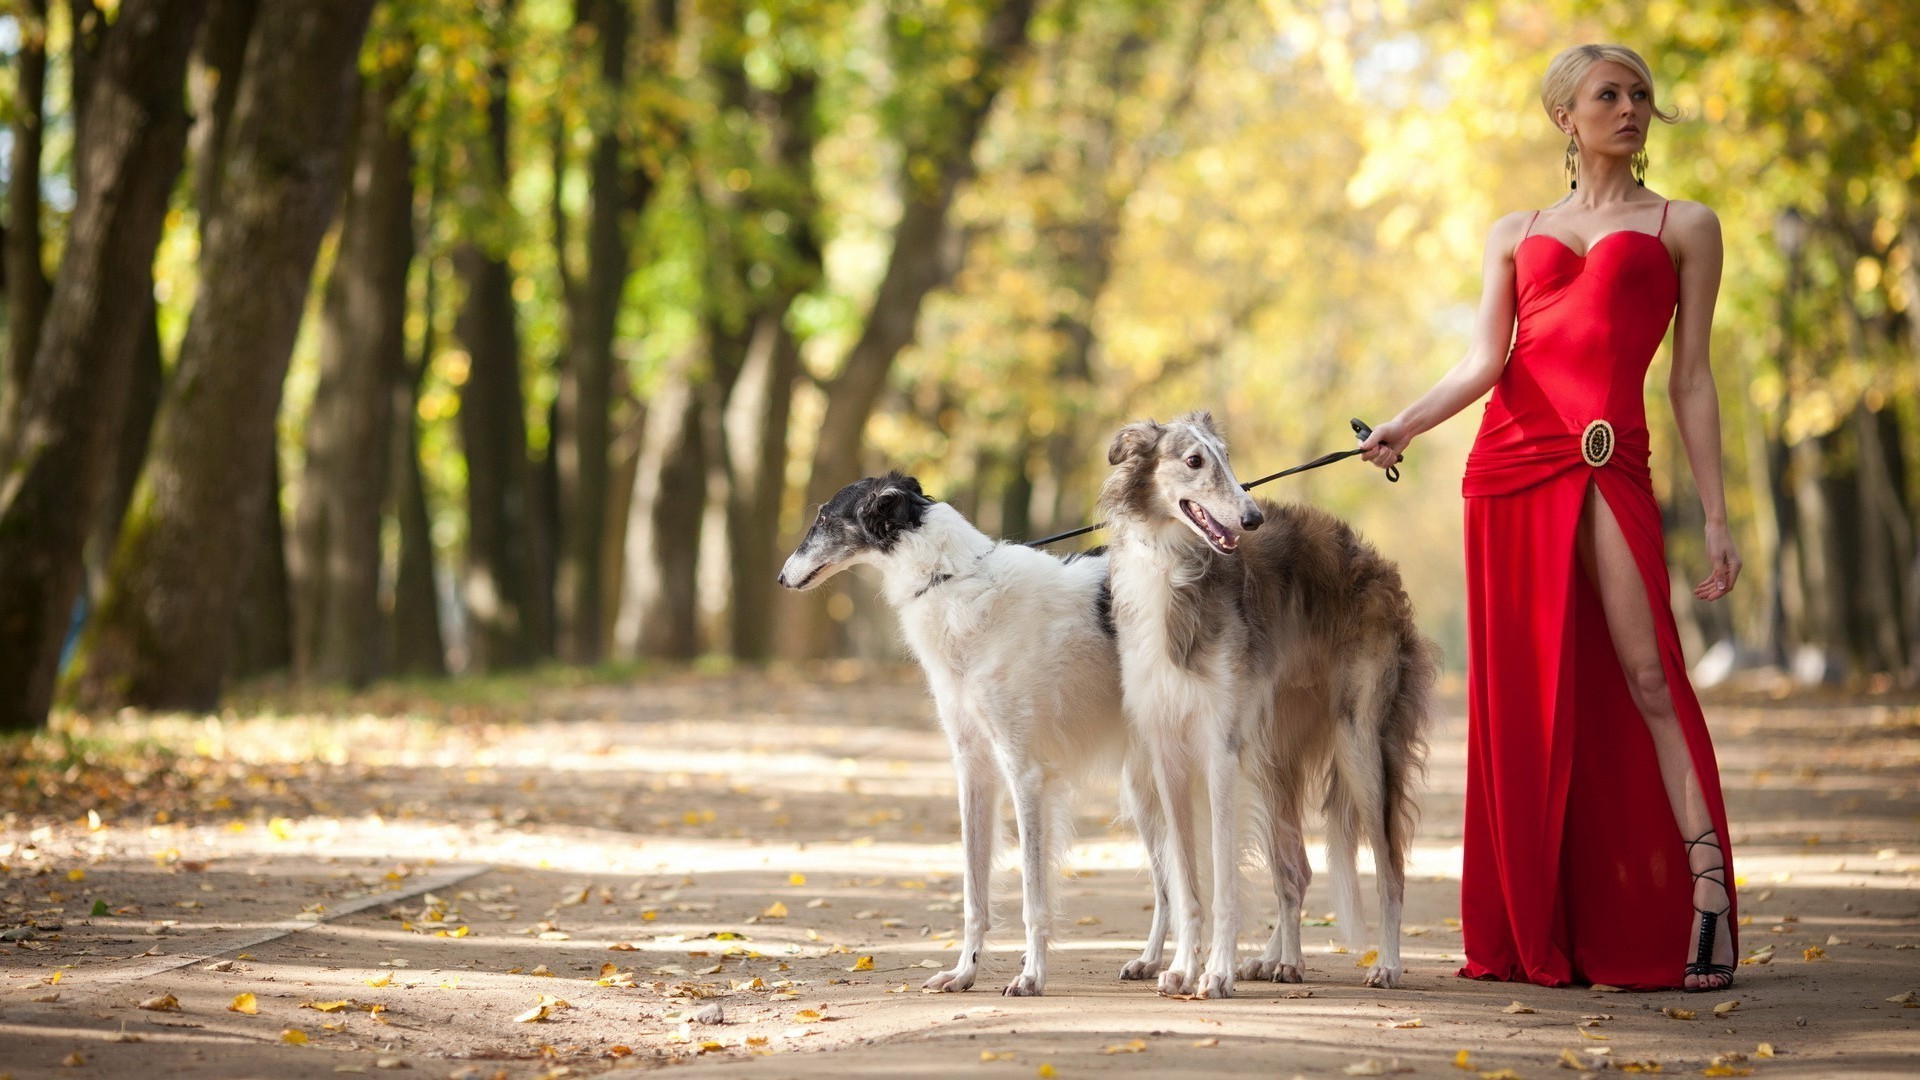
{"type": "Point", "coordinates": [414, 338]}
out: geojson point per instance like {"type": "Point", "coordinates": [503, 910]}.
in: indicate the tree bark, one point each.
{"type": "Point", "coordinates": [415, 644]}
{"type": "Point", "coordinates": [262, 630]}
{"type": "Point", "coordinates": [659, 610]}
{"type": "Point", "coordinates": [53, 468]}
{"type": "Point", "coordinates": [336, 553]}
{"type": "Point", "coordinates": [162, 638]}
{"type": "Point", "coordinates": [27, 289]}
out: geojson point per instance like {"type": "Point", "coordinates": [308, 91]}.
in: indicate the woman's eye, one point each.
{"type": "Point", "coordinates": [1194, 461]}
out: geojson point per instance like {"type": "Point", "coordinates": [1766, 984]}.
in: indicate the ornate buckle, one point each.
{"type": "Point", "coordinates": [1596, 443]}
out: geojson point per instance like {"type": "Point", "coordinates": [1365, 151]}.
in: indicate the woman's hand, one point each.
{"type": "Point", "coordinates": [1724, 560]}
{"type": "Point", "coordinates": [1385, 446]}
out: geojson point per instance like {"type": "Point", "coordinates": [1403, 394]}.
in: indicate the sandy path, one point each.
{"type": "Point", "coordinates": [749, 841]}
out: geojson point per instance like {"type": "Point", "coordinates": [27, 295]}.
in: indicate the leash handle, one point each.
{"type": "Point", "coordinates": [1362, 432]}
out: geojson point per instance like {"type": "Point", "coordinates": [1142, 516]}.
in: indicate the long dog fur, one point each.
{"type": "Point", "coordinates": [1269, 643]}
{"type": "Point", "coordinates": [1018, 650]}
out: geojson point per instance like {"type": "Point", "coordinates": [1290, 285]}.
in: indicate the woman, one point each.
{"type": "Point", "coordinates": [1596, 842]}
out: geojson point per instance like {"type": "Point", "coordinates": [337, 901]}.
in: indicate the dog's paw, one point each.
{"type": "Point", "coordinates": [1383, 977]}
{"type": "Point", "coordinates": [1024, 985]}
{"type": "Point", "coordinates": [1175, 983]}
{"type": "Point", "coordinates": [1139, 970]}
{"type": "Point", "coordinates": [1216, 984]}
{"type": "Point", "coordinates": [1264, 970]}
{"type": "Point", "coordinates": [951, 981]}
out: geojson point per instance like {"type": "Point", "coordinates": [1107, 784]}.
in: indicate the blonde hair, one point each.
{"type": "Point", "coordinates": [1564, 76]}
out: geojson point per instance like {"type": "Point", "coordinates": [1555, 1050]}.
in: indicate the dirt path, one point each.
{"type": "Point", "coordinates": [424, 891]}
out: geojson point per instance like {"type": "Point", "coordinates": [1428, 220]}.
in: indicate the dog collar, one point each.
{"type": "Point", "coordinates": [937, 579]}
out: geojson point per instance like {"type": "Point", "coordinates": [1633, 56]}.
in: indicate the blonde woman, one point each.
{"type": "Point", "coordinates": [1596, 840]}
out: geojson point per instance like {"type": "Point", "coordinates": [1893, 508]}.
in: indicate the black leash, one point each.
{"type": "Point", "coordinates": [1360, 430]}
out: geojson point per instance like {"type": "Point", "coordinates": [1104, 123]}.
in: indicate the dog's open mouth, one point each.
{"type": "Point", "coordinates": [1224, 540]}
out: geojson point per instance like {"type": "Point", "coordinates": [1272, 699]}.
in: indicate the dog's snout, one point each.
{"type": "Point", "coordinates": [781, 577]}
{"type": "Point", "coordinates": [1252, 519]}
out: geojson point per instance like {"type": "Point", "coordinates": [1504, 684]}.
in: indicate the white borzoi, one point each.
{"type": "Point", "coordinates": [1018, 649]}
{"type": "Point", "coordinates": [1290, 653]}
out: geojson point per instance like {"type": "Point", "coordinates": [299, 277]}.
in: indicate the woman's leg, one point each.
{"type": "Point", "coordinates": [1610, 566]}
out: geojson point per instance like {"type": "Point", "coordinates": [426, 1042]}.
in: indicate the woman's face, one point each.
{"type": "Point", "coordinates": [1611, 112]}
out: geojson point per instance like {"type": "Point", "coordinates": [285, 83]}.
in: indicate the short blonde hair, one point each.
{"type": "Point", "coordinates": [1565, 74]}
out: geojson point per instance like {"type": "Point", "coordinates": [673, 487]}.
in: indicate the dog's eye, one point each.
{"type": "Point", "coordinates": [1194, 461]}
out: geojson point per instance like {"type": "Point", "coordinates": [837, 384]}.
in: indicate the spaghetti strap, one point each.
{"type": "Point", "coordinates": [1524, 233]}
{"type": "Point", "coordinates": [1663, 218]}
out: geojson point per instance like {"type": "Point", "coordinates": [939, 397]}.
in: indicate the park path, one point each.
{"type": "Point", "coordinates": [569, 882]}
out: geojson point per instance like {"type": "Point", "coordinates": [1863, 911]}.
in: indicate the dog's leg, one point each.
{"type": "Point", "coordinates": [979, 799]}
{"type": "Point", "coordinates": [1371, 794]}
{"type": "Point", "coordinates": [1283, 960]}
{"type": "Point", "coordinates": [1035, 818]}
{"type": "Point", "coordinates": [1223, 797]}
{"type": "Point", "coordinates": [1143, 806]}
{"type": "Point", "coordinates": [1173, 778]}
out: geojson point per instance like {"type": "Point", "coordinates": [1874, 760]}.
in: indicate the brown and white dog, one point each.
{"type": "Point", "coordinates": [1265, 644]}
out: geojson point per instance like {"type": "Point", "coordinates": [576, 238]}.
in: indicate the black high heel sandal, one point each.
{"type": "Point", "coordinates": [1703, 965]}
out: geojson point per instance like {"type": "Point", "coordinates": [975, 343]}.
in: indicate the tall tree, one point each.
{"type": "Point", "coordinates": [53, 466]}
{"type": "Point", "coordinates": [335, 563]}
{"type": "Point", "coordinates": [506, 585]}
{"type": "Point", "coordinates": [162, 637]}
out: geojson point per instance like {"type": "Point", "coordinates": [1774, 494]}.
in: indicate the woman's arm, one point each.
{"type": "Point", "coordinates": [1486, 355]}
{"type": "Point", "coordinates": [1696, 404]}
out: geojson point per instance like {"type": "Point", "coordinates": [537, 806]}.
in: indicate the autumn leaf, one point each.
{"type": "Point", "coordinates": [1672, 1013]}
{"type": "Point", "coordinates": [385, 978]}
{"type": "Point", "coordinates": [777, 911]}
{"type": "Point", "coordinates": [1501, 1074]}
{"type": "Point", "coordinates": [1762, 955]}
{"type": "Point", "coordinates": [76, 875]}
{"type": "Point", "coordinates": [1367, 958]}
{"type": "Point", "coordinates": [1813, 952]}
{"type": "Point", "coordinates": [1045, 1070]}
{"type": "Point", "coordinates": [1204, 1044]}
{"type": "Point", "coordinates": [326, 1006]}
{"type": "Point", "coordinates": [1725, 1070]}
{"type": "Point", "coordinates": [1517, 1009]}
{"type": "Point", "coordinates": [294, 1037]}
{"type": "Point", "coordinates": [1461, 1060]}
{"type": "Point", "coordinates": [865, 963]}
{"type": "Point", "coordinates": [163, 1003]}
{"type": "Point", "coordinates": [244, 1003]}
{"type": "Point", "coordinates": [74, 1060]}
{"type": "Point", "coordinates": [808, 1016]}
{"type": "Point", "coordinates": [1764, 1050]}
{"type": "Point", "coordinates": [996, 1055]}
{"type": "Point", "coordinates": [1413, 1023]}
{"type": "Point", "coordinates": [796, 879]}
{"type": "Point", "coordinates": [1725, 1007]}
{"type": "Point", "coordinates": [1136, 1046]}
{"type": "Point", "coordinates": [1571, 1060]}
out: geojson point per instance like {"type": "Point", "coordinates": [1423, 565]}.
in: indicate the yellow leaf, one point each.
{"type": "Point", "coordinates": [649, 915]}
{"type": "Point", "coordinates": [294, 1037]}
{"type": "Point", "coordinates": [1594, 1035]}
{"type": "Point", "coordinates": [1725, 1007]}
{"type": "Point", "coordinates": [1725, 1070]}
{"type": "Point", "coordinates": [1516, 1008]}
{"type": "Point", "coordinates": [1204, 1044]}
{"type": "Point", "coordinates": [990, 1055]}
{"type": "Point", "coordinates": [1814, 952]}
{"type": "Point", "coordinates": [326, 1006]}
{"type": "Point", "coordinates": [865, 963]}
{"type": "Point", "coordinates": [1764, 1050]}
{"type": "Point", "coordinates": [163, 1003]}
{"type": "Point", "coordinates": [462, 931]}
{"type": "Point", "coordinates": [796, 878]}
{"type": "Point", "coordinates": [244, 1003]}
{"type": "Point", "coordinates": [76, 875]}
{"type": "Point", "coordinates": [1571, 1060]}
{"type": "Point", "coordinates": [1136, 1046]}
{"type": "Point", "coordinates": [1501, 1074]}
{"type": "Point", "coordinates": [1678, 1014]}
{"type": "Point", "coordinates": [1637, 1066]}
{"type": "Point", "coordinates": [55, 979]}
{"type": "Point", "coordinates": [385, 978]}
{"type": "Point", "coordinates": [1367, 958]}
{"type": "Point", "coordinates": [281, 828]}
{"type": "Point", "coordinates": [1045, 1070]}
{"type": "Point", "coordinates": [1413, 1023]}
{"type": "Point", "coordinates": [808, 1016]}
{"type": "Point", "coordinates": [777, 911]}
{"type": "Point", "coordinates": [1462, 1061]}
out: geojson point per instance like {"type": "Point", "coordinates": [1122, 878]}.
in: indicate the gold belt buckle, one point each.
{"type": "Point", "coordinates": [1596, 443]}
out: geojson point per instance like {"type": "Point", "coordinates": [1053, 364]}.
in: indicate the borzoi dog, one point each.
{"type": "Point", "coordinates": [1018, 649]}
{"type": "Point", "coordinates": [1289, 653]}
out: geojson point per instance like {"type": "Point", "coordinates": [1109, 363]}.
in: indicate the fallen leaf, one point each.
{"type": "Point", "coordinates": [808, 1016]}
{"type": "Point", "coordinates": [163, 1003]}
{"type": "Point", "coordinates": [996, 1055]}
{"type": "Point", "coordinates": [1603, 988]}
{"type": "Point", "coordinates": [1725, 1070]}
{"type": "Point", "coordinates": [777, 911]}
{"type": "Point", "coordinates": [865, 963]}
{"type": "Point", "coordinates": [1907, 998]}
{"type": "Point", "coordinates": [1516, 1009]}
{"type": "Point", "coordinates": [385, 978]}
{"type": "Point", "coordinates": [796, 878]}
{"type": "Point", "coordinates": [1366, 960]}
{"type": "Point", "coordinates": [1136, 1046]}
{"type": "Point", "coordinates": [1762, 955]}
{"type": "Point", "coordinates": [1648, 1066]}
{"type": "Point", "coordinates": [1813, 952]}
{"type": "Point", "coordinates": [1204, 1044]}
{"type": "Point", "coordinates": [1764, 1050]}
{"type": "Point", "coordinates": [1571, 1060]}
{"type": "Point", "coordinates": [1413, 1023]}
{"type": "Point", "coordinates": [99, 908]}
{"type": "Point", "coordinates": [48, 999]}
{"type": "Point", "coordinates": [244, 1003]}
{"type": "Point", "coordinates": [76, 875]}
{"type": "Point", "coordinates": [294, 1037]}
{"type": "Point", "coordinates": [74, 1060]}
{"type": "Point", "coordinates": [1501, 1074]}
{"type": "Point", "coordinates": [1725, 1007]}
{"type": "Point", "coordinates": [1462, 1061]}
{"type": "Point", "coordinates": [1375, 1067]}
{"type": "Point", "coordinates": [1672, 1013]}
{"type": "Point", "coordinates": [1585, 1034]}
{"type": "Point", "coordinates": [1045, 1070]}
{"type": "Point", "coordinates": [390, 1063]}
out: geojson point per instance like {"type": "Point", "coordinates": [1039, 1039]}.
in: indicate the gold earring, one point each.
{"type": "Point", "coordinates": [1640, 168]}
{"type": "Point", "coordinates": [1571, 165]}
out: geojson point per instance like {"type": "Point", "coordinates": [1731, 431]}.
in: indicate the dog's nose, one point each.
{"type": "Point", "coordinates": [1252, 519]}
{"type": "Point", "coordinates": [780, 577]}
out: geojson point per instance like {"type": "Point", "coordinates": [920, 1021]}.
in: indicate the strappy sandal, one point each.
{"type": "Point", "coordinates": [1703, 965]}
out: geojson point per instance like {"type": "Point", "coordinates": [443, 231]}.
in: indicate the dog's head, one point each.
{"type": "Point", "coordinates": [1179, 472]}
{"type": "Point", "coordinates": [859, 524]}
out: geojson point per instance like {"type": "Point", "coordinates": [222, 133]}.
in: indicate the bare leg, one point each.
{"type": "Point", "coordinates": [1609, 564]}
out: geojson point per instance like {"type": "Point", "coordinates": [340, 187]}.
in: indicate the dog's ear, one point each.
{"type": "Point", "coordinates": [1201, 418]}
{"type": "Point", "coordinates": [1139, 437]}
{"type": "Point", "coordinates": [893, 506]}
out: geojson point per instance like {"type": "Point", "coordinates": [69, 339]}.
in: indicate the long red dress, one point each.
{"type": "Point", "coordinates": [1575, 870]}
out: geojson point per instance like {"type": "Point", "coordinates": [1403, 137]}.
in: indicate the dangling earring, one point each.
{"type": "Point", "coordinates": [1640, 168]}
{"type": "Point", "coordinates": [1572, 165]}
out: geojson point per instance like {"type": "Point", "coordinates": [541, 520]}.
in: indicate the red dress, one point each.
{"type": "Point", "coordinates": [1575, 870]}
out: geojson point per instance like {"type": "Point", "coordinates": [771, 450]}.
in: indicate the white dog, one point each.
{"type": "Point", "coordinates": [1289, 652]}
{"type": "Point", "coordinates": [1018, 649]}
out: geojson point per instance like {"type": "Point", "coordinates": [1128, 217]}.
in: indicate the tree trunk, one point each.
{"type": "Point", "coordinates": [925, 253]}
{"type": "Point", "coordinates": [136, 432]}
{"type": "Point", "coordinates": [336, 553]}
{"type": "Point", "coordinates": [27, 288]}
{"type": "Point", "coordinates": [54, 467]}
{"type": "Point", "coordinates": [586, 380]}
{"type": "Point", "coordinates": [213, 86]}
{"type": "Point", "coordinates": [415, 643]}
{"type": "Point", "coordinates": [162, 638]}
{"type": "Point", "coordinates": [659, 610]}
{"type": "Point", "coordinates": [262, 627]}
{"type": "Point", "coordinates": [756, 437]}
